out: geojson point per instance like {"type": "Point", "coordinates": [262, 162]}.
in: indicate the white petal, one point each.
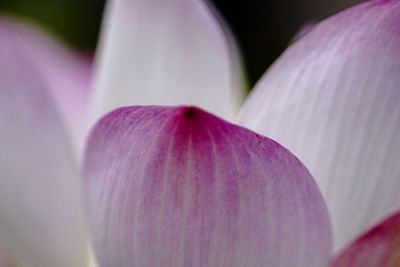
{"type": "Point", "coordinates": [66, 73]}
{"type": "Point", "coordinates": [333, 99]}
{"type": "Point", "coordinates": [41, 217]}
{"type": "Point", "coordinates": [166, 52]}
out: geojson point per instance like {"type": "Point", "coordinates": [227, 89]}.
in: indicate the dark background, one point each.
{"type": "Point", "coordinates": [263, 28]}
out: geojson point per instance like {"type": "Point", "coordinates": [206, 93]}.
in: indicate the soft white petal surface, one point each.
{"type": "Point", "coordinates": [333, 99]}
{"type": "Point", "coordinates": [169, 53]}
{"type": "Point", "coordinates": [41, 218]}
{"type": "Point", "coordinates": [66, 74]}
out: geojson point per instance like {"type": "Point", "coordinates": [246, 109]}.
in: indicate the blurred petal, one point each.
{"type": "Point", "coordinates": [41, 218]}
{"type": "Point", "coordinates": [167, 52]}
{"type": "Point", "coordinates": [380, 246]}
{"type": "Point", "coordinates": [181, 187]}
{"type": "Point", "coordinates": [333, 99]}
{"type": "Point", "coordinates": [304, 29]}
{"type": "Point", "coordinates": [67, 74]}
{"type": "Point", "coordinates": [3, 262]}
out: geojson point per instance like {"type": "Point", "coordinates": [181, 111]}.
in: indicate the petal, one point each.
{"type": "Point", "coordinates": [41, 217]}
{"type": "Point", "coordinates": [179, 187]}
{"type": "Point", "coordinates": [380, 246]}
{"type": "Point", "coordinates": [304, 29]}
{"type": "Point", "coordinates": [333, 99]}
{"type": "Point", "coordinates": [166, 52]}
{"type": "Point", "coordinates": [3, 262]}
{"type": "Point", "coordinates": [66, 74]}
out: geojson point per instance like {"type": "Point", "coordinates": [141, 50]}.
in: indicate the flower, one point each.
{"type": "Point", "coordinates": [178, 186]}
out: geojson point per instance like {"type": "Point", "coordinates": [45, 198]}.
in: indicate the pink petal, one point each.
{"type": "Point", "coordinates": [66, 74]}
{"type": "Point", "coordinates": [333, 99]}
{"type": "Point", "coordinates": [173, 52]}
{"type": "Point", "coordinates": [177, 186]}
{"type": "Point", "coordinates": [380, 246]}
{"type": "Point", "coordinates": [41, 217]}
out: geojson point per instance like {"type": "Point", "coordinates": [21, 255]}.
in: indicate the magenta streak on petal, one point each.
{"type": "Point", "coordinates": [380, 246]}
{"type": "Point", "coordinates": [177, 186]}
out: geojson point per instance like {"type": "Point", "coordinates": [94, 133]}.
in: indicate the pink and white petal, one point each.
{"type": "Point", "coordinates": [333, 99]}
{"type": "Point", "coordinates": [173, 52]}
{"type": "Point", "coordinates": [66, 73]}
{"type": "Point", "coordinates": [177, 186]}
{"type": "Point", "coordinates": [41, 213]}
{"type": "Point", "coordinates": [380, 246]}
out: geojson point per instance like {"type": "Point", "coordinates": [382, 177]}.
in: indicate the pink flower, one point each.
{"type": "Point", "coordinates": [164, 183]}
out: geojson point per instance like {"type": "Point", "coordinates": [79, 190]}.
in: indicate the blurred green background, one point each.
{"type": "Point", "coordinates": [263, 28]}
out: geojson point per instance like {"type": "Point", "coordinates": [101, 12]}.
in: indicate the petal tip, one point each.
{"type": "Point", "coordinates": [185, 187]}
{"type": "Point", "coordinates": [190, 112]}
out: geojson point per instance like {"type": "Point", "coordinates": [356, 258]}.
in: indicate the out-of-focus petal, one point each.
{"type": "Point", "coordinates": [3, 262]}
{"type": "Point", "coordinates": [66, 74]}
{"type": "Point", "coordinates": [181, 187]}
{"type": "Point", "coordinates": [333, 99]}
{"type": "Point", "coordinates": [41, 217]}
{"type": "Point", "coordinates": [168, 53]}
{"type": "Point", "coordinates": [304, 29]}
{"type": "Point", "coordinates": [380, 246]}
